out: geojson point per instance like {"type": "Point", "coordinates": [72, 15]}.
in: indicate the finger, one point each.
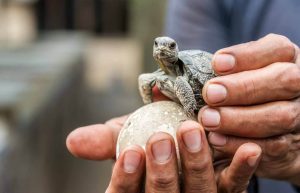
{"type": "Point", "coordinates": [235, 178]}
{"type": "Point", "coordinates": [279, 81]}
{"type": "Point", "coordinates": [161, 164]}
{"type": "Point", "coordinates": [127, 176]}
{"type": "Point", "coordinates": [260, 121]}
{"type": "Point", "coordinates": [196, 161]}
{"type": "Point", "coordinates": [272, 147]}
{"type": "Point", "coordinates": [253, 55]}
{"type": "Point", "coordinates": [95, 142]}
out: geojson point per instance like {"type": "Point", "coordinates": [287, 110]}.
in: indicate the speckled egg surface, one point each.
{"type": "Point", "coordinates": [165, 116]}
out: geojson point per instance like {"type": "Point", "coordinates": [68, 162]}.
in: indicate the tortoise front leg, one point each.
{"type": "Point", "coordinates": [146, 83]}
{"type": "Point", "coordinates": [185, 94]}
{"type": "Point", "coordinates": [165, 84]}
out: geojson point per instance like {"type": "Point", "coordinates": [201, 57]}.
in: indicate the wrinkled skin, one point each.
{"type": "Point", "coordinates": [162, 173]}
{"type": "Point", "coordinates": [257, 100]}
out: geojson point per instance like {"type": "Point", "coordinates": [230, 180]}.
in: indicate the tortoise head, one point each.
{"type": "Point", "coordinates": [165, 49]}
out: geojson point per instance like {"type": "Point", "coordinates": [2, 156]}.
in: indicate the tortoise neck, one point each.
{"type": "Point", "coordinates": [167, 67]}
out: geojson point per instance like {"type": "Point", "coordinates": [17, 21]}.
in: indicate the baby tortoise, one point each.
{"type": "Point", "coordinates": [181, 75]}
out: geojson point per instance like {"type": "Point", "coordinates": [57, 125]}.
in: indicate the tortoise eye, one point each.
{"type": "Point", "coordinates": [155, 43]}
{"type": "Point", "coordinates": [172, 45]}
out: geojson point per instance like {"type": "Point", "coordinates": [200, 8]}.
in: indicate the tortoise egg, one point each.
{"type": "Point", "coordinates": [163, 116]}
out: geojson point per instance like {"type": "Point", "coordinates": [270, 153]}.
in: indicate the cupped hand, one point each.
{"type": "Point", "coordinates": [160, 167]}
{"type": "Point", "coordinates": [159, 162]}
{"type": "Point", "coordinates": [256, 99]}
{"type": "Point", "coordinates": [98, 142]}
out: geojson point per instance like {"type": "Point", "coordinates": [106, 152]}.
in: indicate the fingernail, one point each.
{"type": "Point", "coordinates": [223, 62]}
{"type": "Point", "coordinates": [216, 93]}
{"type": "Point", "coordinates": [131, 161]}
{"type": "Point", "coordinates": [210, 118]}
{"type": "Point", "coordinates": [217, 139]}
{"type": "Point", "coordinates": [252, 160]}
{"type": "Point", "coordinates": [192, 140]}
{"type": "Point", "coordinates": [161, 150]}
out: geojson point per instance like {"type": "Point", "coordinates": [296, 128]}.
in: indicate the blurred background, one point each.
{"type": "Point", "coordinates": [65, 64]}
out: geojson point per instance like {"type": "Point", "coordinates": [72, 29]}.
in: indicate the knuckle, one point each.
{"type": "Point", "coordinates": [286, 47]}
{"type": "Point", "coordinates": [199, 187]}
{"type": "Point", "coordinates": [232, 185]}
{"type": "Point", "coordinates": [292, 117]}
{"type": "Point", "coordinates": [197, 168]}
{"type": "Point", "coordinates": [163, 182]}
{"type": "Point", "coordinates": [237, 188]}
{"type": "Point", "coordinates": [277, 147]}
{"type": "Point", "coordinates": [278, 37]}
{"type": "Point", "coordinates": [289, 76]}
{"type": "Point", "coordinates": [290, 50]}
{"type": "Point", "coordinates": [249, 90]}
{"type": "Point", "coordinates": [288, 117]}
{"type": "Point", "coordinates": [238, 182]}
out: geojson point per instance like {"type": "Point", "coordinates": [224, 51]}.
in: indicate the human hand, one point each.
{"type": "Point", "coordinates": [98, 142]}
{"type": "Point", "coordinates": [256, 99]}
{"type": "Point", "coordinates": [159, 164]}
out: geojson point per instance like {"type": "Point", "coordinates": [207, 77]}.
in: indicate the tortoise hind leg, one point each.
{"type": "Point", "coordinates": [185, 94]}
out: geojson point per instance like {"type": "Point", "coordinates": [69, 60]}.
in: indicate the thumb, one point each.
{"type": "Point", "coordinates": [235, 178]}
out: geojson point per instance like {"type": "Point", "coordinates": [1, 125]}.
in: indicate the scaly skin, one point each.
{"type": "Point", "coordinates": [181, 75]}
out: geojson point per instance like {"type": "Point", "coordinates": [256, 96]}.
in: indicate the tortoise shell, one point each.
{"type": "Point", "coordinates": [196, 67]}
